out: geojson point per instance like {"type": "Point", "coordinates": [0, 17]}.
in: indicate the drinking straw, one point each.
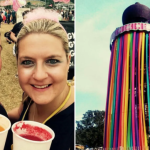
{"type": "Point", "coordinates": [114, 95]}
{"type": "Point", "coordinates": [147, 78]}
{"type": "Point", "coordinates": [110, 97]}
{"type": "Point", "coordinates": [121, 120]}
{"type": "Point", "coordinates": [133, 100]}
{"type": "Point", "coordinates": [125, 125]}
{"type": "Point", "coordinates": [119, 89]}
{"type": "Point", "coordinates": [107, 99]}
{"type": "Point", "coordinates": [149, 56]}
{"type": "Point", "coordinates": [149, 68]}
{"type": "Point", "coordinates": [131, 142]}
{"type": "Point", "coordinates": [141, 134]}
{"type": "Point", "coordinates": [129, 135]}
{"type": "Point", "coordinates": [117, 95]}
{"type": "Point", "coordinates": [126, 91]}
{"type": "Point", "coordinates": [142, 86]}
{"type": "Point", "coordinates": [136, 94]}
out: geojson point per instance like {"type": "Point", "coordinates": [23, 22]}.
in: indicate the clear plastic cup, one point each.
{"type": "Point", "coordinates": [22, 130]}
{"type": "Point", "coordinates": [5, 124]}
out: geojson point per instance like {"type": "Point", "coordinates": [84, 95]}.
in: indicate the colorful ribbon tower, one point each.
{"type": "Point", "coordinates": [127, 116]}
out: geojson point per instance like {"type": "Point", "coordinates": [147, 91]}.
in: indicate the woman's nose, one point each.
{"type": "Point", "coordinates": [40, 73]}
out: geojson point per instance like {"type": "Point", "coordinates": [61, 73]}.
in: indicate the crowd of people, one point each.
{"type": "Point", "coordinates": [66, 15]}
{"type": "Point", "coordinates": [8, 15]}
{"type": "Point", "coordinates": [47, 63]}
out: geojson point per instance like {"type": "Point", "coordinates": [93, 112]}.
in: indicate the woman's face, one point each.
{"type": "Point", "coordinates": [42, 67]}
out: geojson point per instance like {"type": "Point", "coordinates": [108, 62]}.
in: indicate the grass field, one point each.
{"type": "Point", "coordinates": [10, 91]}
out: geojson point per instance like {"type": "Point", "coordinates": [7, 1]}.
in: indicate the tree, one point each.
{"type": "Point", "coordinates": [89, 130]}
{"type": "Point", "coordinates": [28, 5]}
{"type": "Point", "coordinates": [49, 2]}
{"type": "Point", "coordinates": [8, 7]}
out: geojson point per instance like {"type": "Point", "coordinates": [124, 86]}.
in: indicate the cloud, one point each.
{"type": "Point", "coordinates": [88, 101]}
{"type": "Point", "coordinates": [92, 55]}
{"type": "Point", "coordinates": [79, 117]}
{"type": "Point", "coordinates": [94, 26]}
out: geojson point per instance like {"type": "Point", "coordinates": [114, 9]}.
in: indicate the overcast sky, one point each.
{"type": "Point", "coordinates": [95, 22]}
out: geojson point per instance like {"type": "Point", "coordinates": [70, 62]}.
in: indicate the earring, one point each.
{"type": "Point", "coordinates": [16, 76]}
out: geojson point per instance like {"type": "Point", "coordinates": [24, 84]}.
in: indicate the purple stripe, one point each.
{"type": "Point", "coordinates": [108, 88]}
{"type": "Point", "coordinates": [119, 96]}
{"type": "Point", "coordinates": [136, 84]}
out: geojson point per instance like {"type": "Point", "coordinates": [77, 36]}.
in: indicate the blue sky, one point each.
{"type": "Point", "coordinates": [95, 22]}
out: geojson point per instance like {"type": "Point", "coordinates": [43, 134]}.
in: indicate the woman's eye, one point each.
{"type": "Point", "coordinates": [27, 62]}
{"type": "Point", "coordinates": [52, 61]}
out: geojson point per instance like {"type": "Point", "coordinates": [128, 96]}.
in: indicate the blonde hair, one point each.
{"type": "Point", "coordinates": [43, 26]}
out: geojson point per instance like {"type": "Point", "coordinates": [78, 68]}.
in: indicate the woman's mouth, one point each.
{"type": "Point", "coordinates": [41, 86]}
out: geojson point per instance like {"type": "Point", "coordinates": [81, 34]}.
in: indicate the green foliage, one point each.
{"type": "Point", "coordinates": [89, 130]}
{"type": "Point", "coordinates": [28, 5]}
{"type": "Point", "coordinates": [49, 2]}
{"type": "Point", "coordinates": [8, 7]}
{"type": "Point", "coordinates": [58, 2]}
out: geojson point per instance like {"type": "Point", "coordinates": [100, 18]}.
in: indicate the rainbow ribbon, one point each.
{"type": "Point", "coordinates": [127, 116]}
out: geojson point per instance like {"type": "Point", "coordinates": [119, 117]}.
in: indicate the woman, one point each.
{"type": "Point", "coordinates": [43, 62]}
{"type": "Point", "coordinates": [8, 16]}
{"type": "Point", "coordinates": [1, 18]}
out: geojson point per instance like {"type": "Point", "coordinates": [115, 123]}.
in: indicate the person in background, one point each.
{"type": "Point", "coordinates": [4, 11]}
{"type": "Point", "coordinates": [6, 15]}
{"type": "Point", "coordinates": [73, 15]}
{"type": "Point", "coordinates": [62, 13]}
{"type": "Point", "coordinates": [65, 15]}
{"type": "Point", "coordinates": [17, 27]}
{"type": "Point", "coordinates": [1, 18]}
{"type": "Point", "coordinates": [14, 32]}
{"type": "Point", "coordinates": [60, 16]}
{"type": "Point", "coordinates": [13, 17]}
{"type": "Point", "coordinates": [70, 16]}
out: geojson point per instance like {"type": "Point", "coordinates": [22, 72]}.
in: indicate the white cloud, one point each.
{"type": "Point", "coordinates": [93, 30]}
{"type": "Point", "coordinates": [92, 55]}
{"type": "Point", "coordinates": [79, 117]}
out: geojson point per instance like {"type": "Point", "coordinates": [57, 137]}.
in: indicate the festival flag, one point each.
{"type": "Point", "coordinates": [15, 5]}
{"type": "Point", "coordinates": [18, 3]}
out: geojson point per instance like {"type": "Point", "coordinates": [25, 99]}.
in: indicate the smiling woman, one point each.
{"type": "Point", "coordinates": [43, 62]}
{"type": "Point", "coordinates": [45, 73]}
